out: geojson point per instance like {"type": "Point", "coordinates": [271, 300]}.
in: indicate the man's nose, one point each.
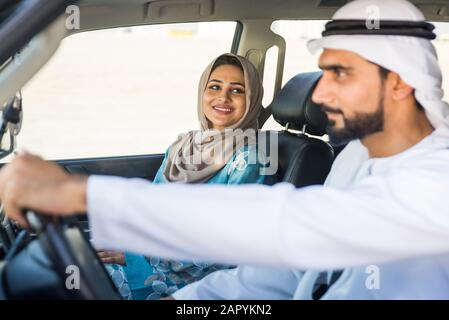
{"type": "Point", "coordinates": [323, 92]}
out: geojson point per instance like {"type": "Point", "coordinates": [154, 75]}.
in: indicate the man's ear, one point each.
{"type": "Point", "coordinates": [399, 89]}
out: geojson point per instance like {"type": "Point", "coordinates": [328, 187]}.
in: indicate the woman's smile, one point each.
{"type": "Point", "coordinates": [223, 109]}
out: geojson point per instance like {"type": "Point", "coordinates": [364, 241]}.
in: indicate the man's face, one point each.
{"type": "Point", "coordinates": [351, 93]}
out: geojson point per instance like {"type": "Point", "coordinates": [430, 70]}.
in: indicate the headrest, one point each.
{"type": "Point", "coordinates": [293, 105]}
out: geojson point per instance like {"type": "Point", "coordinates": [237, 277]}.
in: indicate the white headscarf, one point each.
{"type": "Point", "coordinates": [413, 59]}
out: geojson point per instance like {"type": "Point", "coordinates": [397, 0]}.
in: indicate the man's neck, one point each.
{"type": "Point", "coordinates": [398, 135]}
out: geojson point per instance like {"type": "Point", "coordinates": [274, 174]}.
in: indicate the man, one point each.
{"type": "Point", "coordinates": [372, 89]}
{"type": "Point", "coordinates": [247, 282]}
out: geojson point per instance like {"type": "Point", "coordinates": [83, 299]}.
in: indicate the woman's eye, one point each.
{"type": "Point", "coordinates": [214, 87]}
{"type": "Point", "coordinates": [238, 91]}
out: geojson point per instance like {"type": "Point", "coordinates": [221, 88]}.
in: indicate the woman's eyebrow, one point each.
{"type": "Point", "coordinates": [220, 81]}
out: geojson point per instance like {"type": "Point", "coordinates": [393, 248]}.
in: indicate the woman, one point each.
{"type": "Point", "coordinates": [224, 151]}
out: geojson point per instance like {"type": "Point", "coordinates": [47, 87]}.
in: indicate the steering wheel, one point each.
{"type": "Point", "coordinates": [54, 261]}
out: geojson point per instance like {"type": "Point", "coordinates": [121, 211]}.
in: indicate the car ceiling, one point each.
{"type": "Point", "coordinates": [107, 13]}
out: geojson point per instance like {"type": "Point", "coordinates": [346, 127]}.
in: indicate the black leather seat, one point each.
{"type": "Point", "coordinates": [302, 160]}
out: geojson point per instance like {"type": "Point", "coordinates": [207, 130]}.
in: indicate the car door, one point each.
{"type": "Point", "coordinates": [140, 166]}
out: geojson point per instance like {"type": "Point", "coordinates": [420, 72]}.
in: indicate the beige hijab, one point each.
{"type": "Point", "coordinates": [196, 156]}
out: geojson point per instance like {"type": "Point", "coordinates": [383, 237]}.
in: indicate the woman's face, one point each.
{"type": "Point", "coordinates": [224, 100]}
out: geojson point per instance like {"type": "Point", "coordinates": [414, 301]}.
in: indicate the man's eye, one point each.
{"type": "Point", "coordinates": [340, 73]}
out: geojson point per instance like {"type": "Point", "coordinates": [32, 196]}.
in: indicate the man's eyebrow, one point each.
{"type": "Point", "coordinates": [334, 67]}
{"type": "Point", "coordinates": [234, 83]}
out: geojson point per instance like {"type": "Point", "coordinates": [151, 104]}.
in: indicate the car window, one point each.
{"type": "Point", "coordinates": [298, 59]}
{"type": "Point", "coordinates": [120, 91]}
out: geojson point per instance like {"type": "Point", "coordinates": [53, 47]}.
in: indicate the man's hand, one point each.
{"type": "Point", "coordinates": [29, 182]}
{"type": "Point", "coordinates": [112, 257]}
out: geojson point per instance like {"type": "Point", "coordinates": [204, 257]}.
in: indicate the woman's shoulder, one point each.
{"type": "Point", "coordinates": [248, 165]}
{"type": "Point", "coordinates": [251, 153]}
{"type": "Point", "coordinates": [246, 158]}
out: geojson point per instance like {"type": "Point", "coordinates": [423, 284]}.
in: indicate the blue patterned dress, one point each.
{"type": "Point", "coordinates": [153, 277]}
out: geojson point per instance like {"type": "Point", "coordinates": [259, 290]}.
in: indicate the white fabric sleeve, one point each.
{"type": "Point", "coordinates": [243, 283]}
{"type": "Point", "coordinates": [380, 219]}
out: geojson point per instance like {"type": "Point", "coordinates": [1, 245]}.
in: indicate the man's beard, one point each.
{"type": "Point", "coordinates": [358, 127]}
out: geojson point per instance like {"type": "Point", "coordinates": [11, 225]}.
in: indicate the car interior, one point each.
{"type": "Point", "coordinates": [33, 264]}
